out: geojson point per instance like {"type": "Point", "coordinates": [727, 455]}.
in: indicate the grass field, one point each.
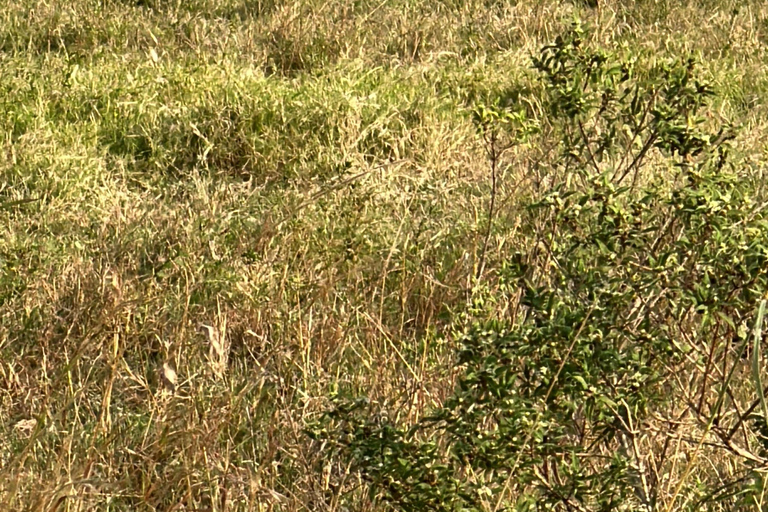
{"type": "Point", "coordinates": [303, 177]}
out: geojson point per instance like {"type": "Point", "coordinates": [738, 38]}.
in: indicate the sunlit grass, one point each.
{"type": "Point", "coordinates": [303, 176]}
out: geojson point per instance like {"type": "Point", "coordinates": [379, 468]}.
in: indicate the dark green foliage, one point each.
{"type": "Point", "coordinates": [642, 246]}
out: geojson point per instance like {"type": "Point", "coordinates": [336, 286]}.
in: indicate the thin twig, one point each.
{"type": "Point", "coordinates": [493, 154]}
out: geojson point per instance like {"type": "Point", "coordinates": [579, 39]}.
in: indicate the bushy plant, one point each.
{"type": "Point", "coordinates": [634, 289]}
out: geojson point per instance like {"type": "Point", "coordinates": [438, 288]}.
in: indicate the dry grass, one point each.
{"type": "Point", "coordinates": [304, 178]}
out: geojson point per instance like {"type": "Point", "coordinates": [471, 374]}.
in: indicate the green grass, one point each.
{"type": "Point", "coordinates": [303, 176]}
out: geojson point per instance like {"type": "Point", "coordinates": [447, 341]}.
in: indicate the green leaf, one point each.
{"type": "Point", "coordinates": [758, 334]}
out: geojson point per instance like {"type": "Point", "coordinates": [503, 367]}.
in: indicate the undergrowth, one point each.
{"type": "Point", "coordinates": [214, 216]}
{"type": "Point", "coordinates": [634, 295]}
